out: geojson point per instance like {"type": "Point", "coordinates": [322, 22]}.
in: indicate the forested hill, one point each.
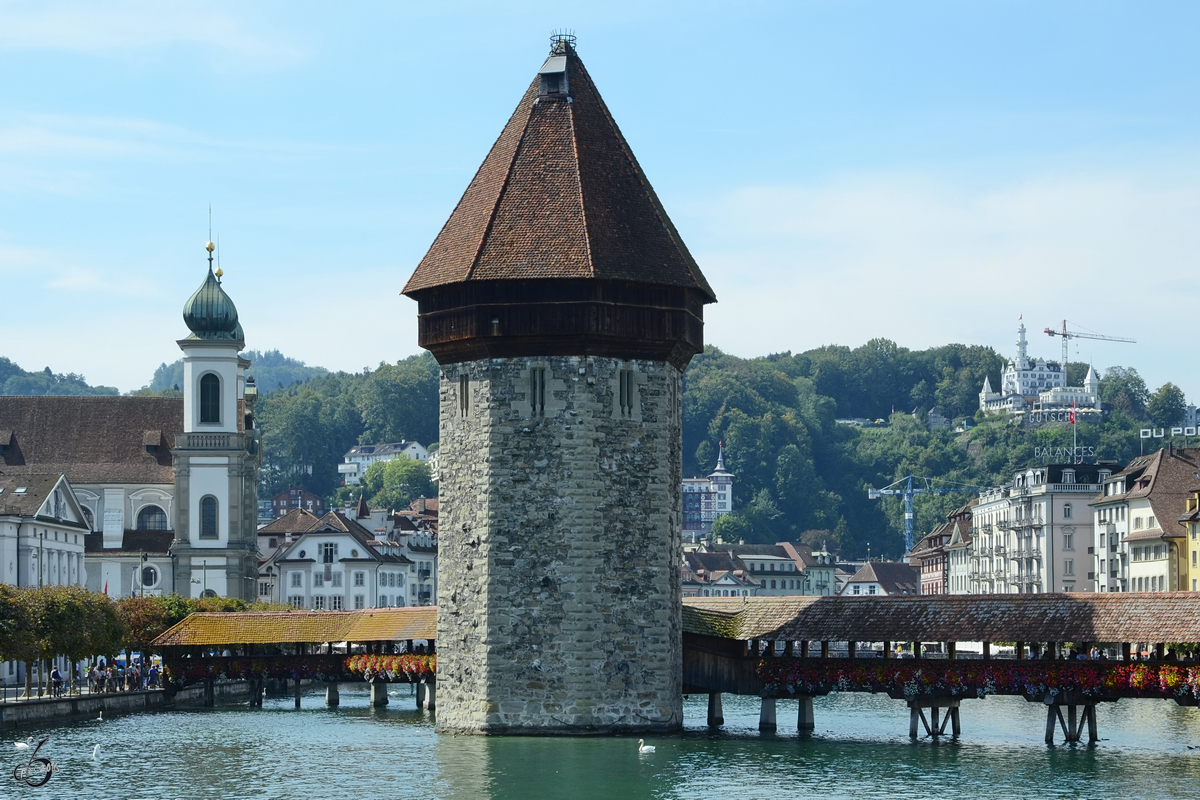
{"type": "Point", "coordinates": [16, 381]}
{"type": "Point", "coordinates": [799, 472]}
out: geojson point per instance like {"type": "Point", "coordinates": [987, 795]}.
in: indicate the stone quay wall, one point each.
{"type": "Point", "coordinates": [55, 710]}
{"type": "Point", "coordinates": [559, 606]}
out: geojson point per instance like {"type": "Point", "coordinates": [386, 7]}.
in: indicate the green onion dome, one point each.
{"type": "Point", "coordinates": [210, 314]}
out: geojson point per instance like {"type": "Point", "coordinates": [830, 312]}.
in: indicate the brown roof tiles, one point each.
{"type": "Point", "coordinates": [560, 195]}
{"type": "Point", "coordinates": [91, 439]}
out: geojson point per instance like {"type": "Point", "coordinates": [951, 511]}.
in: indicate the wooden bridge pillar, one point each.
{"type": "Point", "coordinates": [379, 696]}
{"type": "Point", "coordinates": [825, 649]}
{"type": "Point", "coordinates": [935, 724]}
{"type": "Point", "coordinates": [297, 692]}
{"type": "Point", "coordinates": [766, 715]}
{"type": "Point", "coordinates": [716, 716]}
{"type": "Point", "coordinates": [852, 647]}
{"type": "Point", "coordinates": [887, 649]}
{"type": "Point", "coordinates": [952, 650]}
{"type": "Point", "coordinates": [1020, 651]}
{"type": "Point", "coordinates": [805, 721]}
{"type": "Point", "coordinates": [1125, 651]}
{"type": "Point", "coordinates": [332, 698]}
{"type": "Point", "coordinates": [789, 649]}
{"type": "Point", "coordinates": [987, 651]}
{"type": "Point", "coordinates": [804, 649]}
{"type": "Point", "coordinates": [1072, 725]}
{"type": "Point", "coordinates": [916, 646]}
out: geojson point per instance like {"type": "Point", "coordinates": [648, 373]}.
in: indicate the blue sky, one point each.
{"type": "Point", "coordinates": [922, 171]}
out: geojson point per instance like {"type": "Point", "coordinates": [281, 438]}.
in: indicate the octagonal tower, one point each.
{"type": "Point", "coordinates": [562, 306]}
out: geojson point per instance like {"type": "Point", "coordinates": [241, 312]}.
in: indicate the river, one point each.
{"type": "Point", "coordinates": [860, 749]}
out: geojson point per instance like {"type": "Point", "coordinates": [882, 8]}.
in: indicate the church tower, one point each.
{"type": "Point", "coordinates": [217, 456]}
{"type": "Point", "coordinates": [562, 307]}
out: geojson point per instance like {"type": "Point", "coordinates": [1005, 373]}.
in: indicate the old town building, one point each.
{"type": "Point", "coordinates": [1140, 544]}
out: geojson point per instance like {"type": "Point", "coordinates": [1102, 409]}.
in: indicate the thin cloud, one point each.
{"type": "Point", "coordinates": [126, 27]}
{"type": "Point", "coordinates": [925, 260]}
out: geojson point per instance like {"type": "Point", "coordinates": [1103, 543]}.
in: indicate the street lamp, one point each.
{"type": "Point", "coordinates": [145, 558]}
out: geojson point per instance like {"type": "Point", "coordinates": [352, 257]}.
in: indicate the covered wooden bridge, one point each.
{"type": "Point", "coordinates": [380, 646]}
{"type": "Point", "coordinates": [1067, 651]}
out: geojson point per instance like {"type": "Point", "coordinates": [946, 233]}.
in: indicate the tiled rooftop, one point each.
{"type": "Point", "coordinates": [1092, 617]}
{"type": "Point", "coordinates": [291, 627]}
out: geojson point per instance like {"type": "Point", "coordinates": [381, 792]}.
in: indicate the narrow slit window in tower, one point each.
{"type": "Point", "coordinates": [464, 397]}
{"type": "Point", "coordinates": [627, 393]}
{"type": "Point", "coordinates": [537, 391]}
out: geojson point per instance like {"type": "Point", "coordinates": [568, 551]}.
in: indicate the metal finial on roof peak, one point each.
{"type": "Point", "coordinates": [562, 42]}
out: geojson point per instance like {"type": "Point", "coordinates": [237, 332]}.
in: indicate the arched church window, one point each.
{"type": "Point", "coordinates": [208, 517]}
{"type": "Point", "coordinates": [152, 518]}
{"type": "Point", "coordinates": [210, 398]}
{"type": "Point", "coordinates": [91, 520]}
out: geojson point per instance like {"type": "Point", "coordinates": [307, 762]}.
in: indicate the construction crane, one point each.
{"type": "Point", "coordinates": [1068, 335]}
{"type": "Point", "coordinates": [904, 488]}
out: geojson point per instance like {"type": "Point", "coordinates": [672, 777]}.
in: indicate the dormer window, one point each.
{"type": "Point", "coordinates": [554, 76]}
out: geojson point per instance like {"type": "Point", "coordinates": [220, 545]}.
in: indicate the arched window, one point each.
{"type": "Point", "coordinates": [210, 398]}
{"type": "Point", "coordinates": [1067, 511]}
{"type": "Point", "coordinates": [91, 520]}
{"type": "Point", "coordinates": [152, 518]}
{"type": "Point", "coordinates": [208, 517]}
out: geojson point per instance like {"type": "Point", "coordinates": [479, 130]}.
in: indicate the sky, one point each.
{"type": "Point", "coordinates": [926, 172]}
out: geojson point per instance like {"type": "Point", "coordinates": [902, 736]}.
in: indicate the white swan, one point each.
{"type": "Point", "coordinates": [645, 748]}
{"type": "Point", "coordinates": [23, 745]}
{"type": "Point", "coordinates": [95, 752]}
{"type": "Point", "coordinates": [101, 717]}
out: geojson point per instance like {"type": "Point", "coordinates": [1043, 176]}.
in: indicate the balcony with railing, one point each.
{"type": "Point", "coordinates": [214, 441]}
{"type": "Point", "coordinates": [1078, 488]}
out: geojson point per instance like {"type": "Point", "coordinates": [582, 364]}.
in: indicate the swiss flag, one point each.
{"type": "Point", "coordinates": [1072, 417]}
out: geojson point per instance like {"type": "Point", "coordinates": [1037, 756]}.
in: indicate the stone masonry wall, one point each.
{"type": "Point", "coordinates": [559, 605]}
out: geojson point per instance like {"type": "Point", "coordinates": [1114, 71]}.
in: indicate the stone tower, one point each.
{"type": "Point", "coordinates": [562, 306]}
{"type": "Point", "coordinates": [217, 456]}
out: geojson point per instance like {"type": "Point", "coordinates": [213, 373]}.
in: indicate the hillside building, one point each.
{"type": "Point", "coordinates": [1038, 385]}
{"type": "Point", "coordinates": [706, 499]}
{"type": "Point", "coordinates": [358, 459]}
{"type": "Point", "coordinates": [886, 578]}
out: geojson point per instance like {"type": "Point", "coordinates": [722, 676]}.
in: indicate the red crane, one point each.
{"type": "Point", "coordinates": [1068, 335]}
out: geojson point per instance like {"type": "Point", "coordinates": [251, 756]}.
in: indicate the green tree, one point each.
{"type": "Point", "coordinates": [1167, 406]}
{"type": "Point", "coordinates": [1125, 389]}
{"type": "Point", "coordinates": [396, 483]}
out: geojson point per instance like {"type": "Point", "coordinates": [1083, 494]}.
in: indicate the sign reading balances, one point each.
{"type": "Point", "coordinates": [1063, 455]}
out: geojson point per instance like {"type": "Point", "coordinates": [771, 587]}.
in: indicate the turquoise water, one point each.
{"type": "Point", "coordinates": [860, 749]}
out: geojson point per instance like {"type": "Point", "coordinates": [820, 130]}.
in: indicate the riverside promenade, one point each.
{"type": "Point", "coordinates": [42, 711]}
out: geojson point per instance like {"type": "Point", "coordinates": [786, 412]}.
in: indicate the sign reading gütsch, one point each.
{"type": "Point", "coordinates": [1160, 433]}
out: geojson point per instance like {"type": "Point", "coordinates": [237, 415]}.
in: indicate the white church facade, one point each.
{"type": "Point", "coordinates": [1037, 385]}
{"type": "Point", "coordinates": [166, 486]}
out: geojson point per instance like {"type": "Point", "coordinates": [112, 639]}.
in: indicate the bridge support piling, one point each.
{"type": "Point", "coordinates": [935, 724]}
{"type": "Point", "coordinates": [804, 717]}
{"type": "Point", "coordinates": [297, 692]}
{"type": "Point", "coordinates": [1072, 724]}
{"type": "Point", "coordinates": [430, 696]}
{"type": "Point", "coordinates": [332, 698]}
{"type": "Point", "coordinates": [766, 715]}
{"type": "Point", "coordinates": [716, 716]}
{"type": "Point", "coordinates": [379, 696]}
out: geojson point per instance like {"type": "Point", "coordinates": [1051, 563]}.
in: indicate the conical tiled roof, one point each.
{"type": "Point", "coordinates": [560, 196]}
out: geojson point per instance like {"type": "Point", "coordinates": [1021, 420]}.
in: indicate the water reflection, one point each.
{"type": "Point", "coordinates": [860, 748]}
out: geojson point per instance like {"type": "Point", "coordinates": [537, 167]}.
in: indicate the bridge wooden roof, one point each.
{"type": "Point", "coordinates": [1076, 617]}
{"type": "Point", "coordinates": [295, 627]}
